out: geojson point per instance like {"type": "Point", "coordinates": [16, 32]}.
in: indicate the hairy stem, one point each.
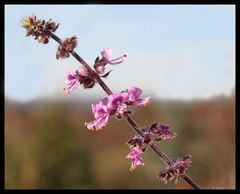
{"type": "Point", "coordinates": [128, 117]}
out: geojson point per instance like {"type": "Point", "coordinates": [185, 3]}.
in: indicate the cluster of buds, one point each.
{"type": "Point", "coordinates": [138, 144]}
{"type": "Point", "coordinates": [66, 47]}
{"type": "Point", "coordinates": [176, 170]}
{"type": "Point", "coordinates": [39, 28]}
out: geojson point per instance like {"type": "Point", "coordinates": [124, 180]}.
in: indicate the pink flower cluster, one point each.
{"type": "Point", "coordinates": [115, 104]}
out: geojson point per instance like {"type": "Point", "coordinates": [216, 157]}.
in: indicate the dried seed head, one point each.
{"type": "Point", "coordinates": [67, 46]}
{"type": "Point", "coordinates": [39, 29]}
{"type": "Point", "coordinates": [51, 25]}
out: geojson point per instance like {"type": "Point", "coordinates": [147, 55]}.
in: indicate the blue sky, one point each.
{"type": "Point", "coordinates": [180, 51]}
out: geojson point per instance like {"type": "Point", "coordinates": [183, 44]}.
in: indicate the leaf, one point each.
{"type": "Point", "coordinates": [106, 74]}
{"type": "Point", "coordinates": [97, 60]}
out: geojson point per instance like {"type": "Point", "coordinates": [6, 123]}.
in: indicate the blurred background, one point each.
{"type": "Point", "coordinates": [181, 56]}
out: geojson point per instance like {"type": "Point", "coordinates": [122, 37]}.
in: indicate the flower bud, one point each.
{"type": "Point", "coordinates": [99, 68]}
{"type": "Point", "coordinates": [42, 39]}
{"type": "Point", "coordinates": [83, 71]}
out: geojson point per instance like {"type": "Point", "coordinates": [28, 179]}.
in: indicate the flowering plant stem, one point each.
{"type": "Point", "coordinates": [127, 116]}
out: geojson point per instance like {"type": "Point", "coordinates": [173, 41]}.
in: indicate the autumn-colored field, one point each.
{"type": "Point", "coordinates": [48, 146]}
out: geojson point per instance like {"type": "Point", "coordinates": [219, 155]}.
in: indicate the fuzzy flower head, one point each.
{"type": "Point", "coordinates": [135, 156]}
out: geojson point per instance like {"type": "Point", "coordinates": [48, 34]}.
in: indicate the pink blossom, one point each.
{"type": "Point", "coordinates": [134, 94]}
{"type": "Point", "coordinates": [101, 115]}
{"type": "Point", "coordinates": [135, 156]}
{"type": "Point", "coordinates": [106, 53]}
{"type": "Point", "coordinates": [106, 57]}
{"type": "Point", "coordinates": [110, 105]}
{"type": "Point", "coordinates": [117, 102]}
{"type": "Point", "coordinates": [99, 65]}
{"type": "Point", "coordinates": [113, 104]}
{"type": "Point", "coordinates": [72, 82]}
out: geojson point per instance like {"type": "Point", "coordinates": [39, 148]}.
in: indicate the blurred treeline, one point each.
{"type": "Point", "coordinates": [48, 146]}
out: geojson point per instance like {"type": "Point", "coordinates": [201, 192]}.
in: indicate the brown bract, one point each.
{"type": "Point", "coordinates": [67, 46]}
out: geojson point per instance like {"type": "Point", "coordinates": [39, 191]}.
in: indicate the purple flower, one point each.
{"type": "Point", "coordinates": [83, 76]}
{"type": "Point", "coordinates": [117, 103]}
{"type": "Point", "coordinates": [134, 94]}
{"type": "Point", "coordinates": [135, 156]}
{"type": "Point", "coordinates": [72, 82]}
{"type": "Point", "coordinates": [113, 104]}
{"type": "Point", "coordinates": [106, 57]}
{"type": "Point", "coordinates": [110, 105]}
{"type": "Point", "coordinates": [99, 65]}
{"type": "Point", "coordinates": [101, 115]}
